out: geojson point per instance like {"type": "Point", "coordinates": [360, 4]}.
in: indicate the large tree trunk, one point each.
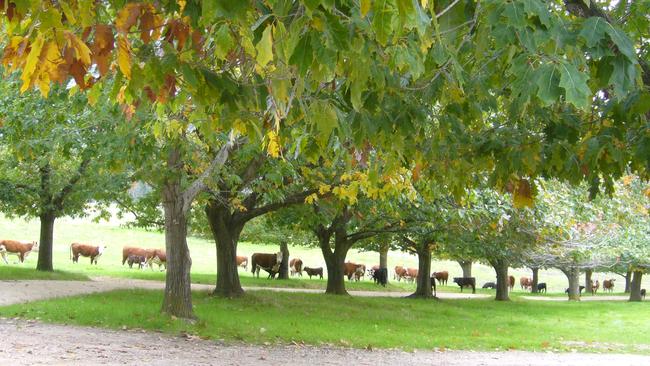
{"type": "Point", "coordinates": [46, 242]}
{"type": "Point", "coordinates": [423, 289]}
{"type": "Point", "coordinates": [635, 288]}
{"type": "Point", "coordinates": [533, 287]}
{"type": "Point", "coordinates": [284, 266]}
{"type": "Point", "coordinates": [628, 281]}
{"type": "Point", "coordinates": [226, 237]}
{"type": "Point", "coordinates": [335, 276]}
{"type": "Point", "coordinates": [588, 281]}
{"type": "Point", "coordinates": [573, 275]}
{"type": "Point", "coordinates": [501, 269]}
{"type": "Point", "coordinates": [383, 259]}
{"type": "Point", "coordinates": [177, 300]}
{"type": "Point", "coordinates": [466, 266]}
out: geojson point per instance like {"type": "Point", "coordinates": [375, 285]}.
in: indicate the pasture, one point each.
{"type": "Point", "coordinates": [265, 317]}
{"type": "Point", "coordinates": [114, 235]}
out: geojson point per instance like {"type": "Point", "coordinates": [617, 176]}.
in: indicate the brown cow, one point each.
{"type": "Point", "coordinates": [242, 261]}
{"type": "Point", "coordinates": [353, 270]}
{"type": "Point", "coordinates": [511, 282]}
{"type": "Point", "coordinates": [270, 262]}
{"type": "Point", "coordinates": [441, 276]}
{"type": "Point", "coordinates": [295, 265]}
{"type": "Point", "coordinates": [400, 272]}
{"type": "Point", "coordinates": [411, 274]}
{"type": "Point", "coordinates": [86, 250]}
{"type": "Point", "coordinates": [158, 256]}
{"type": "Point", "coordinates": [525, 283]}
{"type": "Point", "coordinates": [594, 287]}
{"type": "Point", "coordinates": [18, 248]}
{"type": "Point", "coordinates": [142, 252]}
{"type": "Point", "coordinates": [608, 285]}
{"type": "Point", "coordinates": [314, 272]}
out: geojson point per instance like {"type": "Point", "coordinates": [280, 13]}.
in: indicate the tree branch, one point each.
{"type": "Point", "coordinates": [67, 189]}
{"type": "Point", "coordinates": [291, 200]}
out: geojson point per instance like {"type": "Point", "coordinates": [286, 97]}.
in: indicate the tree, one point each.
{"type": "Point", "coordinates": [58, 158]}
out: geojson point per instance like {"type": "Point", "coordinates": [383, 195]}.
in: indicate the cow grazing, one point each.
{"type": "Point", "coordinates": [242, 262]}
{"type": "Point", "coordinates": [442, 277]}
{"type": "Point", "coordinates": [353, 270]}
{"type": "Point", "coordinates": [295, 266]}
{"type": "Point", "coordinates": [466, 282]}
{"type": "Point", "coordinates": [270, 262]}
{"type": "Point", "coordinates": [491, 285]}
{"type": "Point", "coordinates": [594, 287]}
{"type": "Point", "coordinates": [643, 293]}
{"type": "Point", "coordinates": [511, 282]}
{"type": "Point", "coordinates": [526, 283]}
{"type": "Point", "coordinates": [142, 252]}
{"type": "Point", "coordinates": [159, 257]}
{"type": "Point", "coordinates": [541, 286]}
{"type": "Point", "coordinates": [608, 285]}
{"type": "Point", "coordinates": [579, 290]}
{"type": "Point", "coordinates": [18, 248]}
{"type": "Point", "coordinates": [314, 272]}
{"type": "Point", "coordinates": [380, 276]}
{"type": "Point", "coordinates": [400, 272]}
{"type": "Point", "coordinates": [137, 259]}
{"type": "Point", "coordinates": [411, 274]}
{"type": "Point", "coordinates": [86, 250]}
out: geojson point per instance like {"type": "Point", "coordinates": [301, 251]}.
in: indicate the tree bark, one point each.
{"type": "Point", "coordinates": [423, 289]}
{"type": "Point", "coordinates": [466, 266]}
{"type": "Point", "coordinates": [46, 241]}
{"type": "Point", "coordinates": [588, 281]}
{"type": "Point", "coordinates": [383, 259]}
{"type": "Point", "coordinates": [226, 237]}
{"type": "Point", "coordinates": [573, 275]}
{"type": "Point", "coordinates": [335, 276]}
{"type": "Point", "coordinates": [177, 300]}
{"type": "Point", "coordinates": [628, 277]}
{"type": "Point", "coordinates": [284, 266]}
{"type": "Point", "coordinates": [635, 288]}
{"type": "Point", "coordinates": [533, 288]}
{"type": "Point", "coordinates": [501, 269]}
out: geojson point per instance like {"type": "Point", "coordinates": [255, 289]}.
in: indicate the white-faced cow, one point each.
{"type": "Point", "coordinates": [86, 250]}
{"type": "Point", "coordinates": [18, 248]}
{"type": "Point", "coordinates": [295, 266]}
{"type": "Point", "coordinates": [127, 251]}
{"type": "Point", "coordinates": [159, 257]}
{"type": "Point", "coordinates": [242, 261]}
{"type": "Point", "coordinates": [267, 261]}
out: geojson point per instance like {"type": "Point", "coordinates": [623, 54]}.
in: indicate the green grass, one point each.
{"type": "Point", "coordinates": [203, 254]}
{"type": "Point", "coordinates": [262, 316]}
{"type": "Point", "coordinates": [18, 273]}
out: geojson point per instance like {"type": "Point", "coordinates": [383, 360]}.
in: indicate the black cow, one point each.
{"type": "Point", "coordinates": [491, 285]}
{"type": "Point", "coordinates": [314, 272]}
{"type": "Point", "coordinates": [581, 288]}
{"type": "Point", "coordinates": [541, 286]}
{"type": "Point", "coordinates": [433, 286]}
{"type": "Point", "coordinates": [380, 276]}
{"type": "Point", "coordinates": [466, 282]}
{"type": "Point", "coordinates": [137, 259]}
{"type": "Point", "coordinates": [643, 293]}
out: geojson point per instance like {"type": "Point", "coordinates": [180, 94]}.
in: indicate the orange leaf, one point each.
{"type": "Point", "coordinates": [128, 17]}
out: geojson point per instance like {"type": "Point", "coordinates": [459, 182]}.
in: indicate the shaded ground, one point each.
{"type": "Point", "coordinates": [583, 298]}
{"type": "Point", "coordinates": [34, 343]}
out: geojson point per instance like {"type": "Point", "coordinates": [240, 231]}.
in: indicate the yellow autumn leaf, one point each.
{"type": "Point", "coordinates": [324, 188]}
{"type": "Point", "coordinates": [265, 47]}
{"type": "Point", "coordinates": [273, 147]}
{"type": "Point", "coordinates": [647, 192]}
{"type": "Point", "coordinates": [627, 180]}
{"type": "Point", "coordinates": [365, 7]}
{"type": "Point", "coordinates": [30, 64]}
{"type": "Point", "coordinates": [124, 56]}
{"type": "Point", "coordinates": [82, 52]}
{"type": "Point", "coordinates": [311, 198]}
{"type": "Point", "coordinates": [50, 61]}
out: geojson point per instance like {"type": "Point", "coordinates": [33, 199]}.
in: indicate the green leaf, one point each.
{"type": "Point", "coordinates": [224, 42]}
{"type": "Point", "coordinates": [593, 30]}
{"type": "Point", "coordinates": [622, 42]}
{"type": "Point", "coordinates": [382, 22]}
{"type": "Point", "coordinates": [324, 118]}
{"type": "Point", "coordinates": [302, 55]}
{"type": "Point", "coordinates": [574, 82]}
{"type": "Point", "coordinates": [547, 82]}
{"type": "Point", "coordinates": [265, 47]}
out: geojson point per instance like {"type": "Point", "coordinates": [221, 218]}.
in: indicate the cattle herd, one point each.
{"type": "Point", "coordinates": [270, 262]}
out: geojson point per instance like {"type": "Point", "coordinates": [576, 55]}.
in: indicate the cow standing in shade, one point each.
{"type": "Point", "coordinates": [466, 282]}
{"type": "Point", "coordinates": [86, 250]}
{"type": "Point", "coordinates": [266, 261]}
{"type": "Point", "coordinates": [314, 272]}
{"type": "Point", "coordinates": [242, 262]}
{"type": "Point", "coordinates": [380, 276]}
{"type": "Point", "coordinates": [159, 257]}
{"type": "Point", "coordinates": [295, 266]}
{"type": "Point", "coordinates": [442, 277]}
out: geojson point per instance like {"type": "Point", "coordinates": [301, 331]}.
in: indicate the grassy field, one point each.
{"type": "Point", "coordinates": [22, 273]}
{"type": "Point", "coordinates": [204, 257]}
{"type": "Point", "coordinates": [262, 316]}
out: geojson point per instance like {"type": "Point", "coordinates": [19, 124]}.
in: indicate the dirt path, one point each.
{"type": "Point", "coordinates": [14, 292]}
{"type": "Point", "coordinates": [34, 343]}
